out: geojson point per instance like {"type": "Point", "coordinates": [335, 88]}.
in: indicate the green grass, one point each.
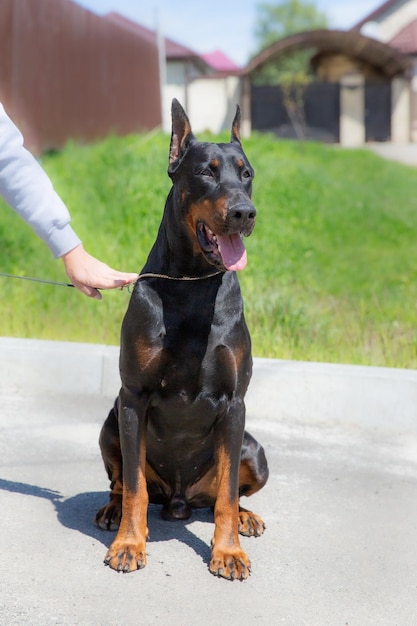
{"type": "Point", "coordinates": [332, 262]}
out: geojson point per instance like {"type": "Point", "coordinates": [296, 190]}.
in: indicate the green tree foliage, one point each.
{"type": "Point", "coordinates": [275, 21]}
{"type": "Point", "coordinates": [278, 20]}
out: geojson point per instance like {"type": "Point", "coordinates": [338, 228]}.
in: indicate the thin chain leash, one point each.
{"type": "Point", "coordinates": [35, 280]}
{"type": "Point", "coordinates": [129, 286]}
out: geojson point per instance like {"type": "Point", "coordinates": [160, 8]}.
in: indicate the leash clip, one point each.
{"type": "Point", "coordinates": [128, 287]}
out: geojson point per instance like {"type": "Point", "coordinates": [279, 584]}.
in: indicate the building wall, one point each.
{"type": "Point", "coordinates": [175, 87]}
{"type": "Point", "coordinates": [390, 24]}
{"type": "Point", "coordinates": [212, 103]}
{"type": "Point", "coordinates": [332, 67]}
{"type": "Point", "coordinates": [404, 114]}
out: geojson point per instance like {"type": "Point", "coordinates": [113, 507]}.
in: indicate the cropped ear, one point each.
{"type": "Point", "coordinates": [236, 126]}
{"type": "Point", "coordinates": [181, 135]}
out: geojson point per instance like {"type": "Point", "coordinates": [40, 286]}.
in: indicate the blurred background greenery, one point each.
{"type": "Point", "coordinates": [332, 263]}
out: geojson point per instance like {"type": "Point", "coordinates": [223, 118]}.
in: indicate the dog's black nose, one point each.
{"type": "Point", "coordinates": [242, 216]}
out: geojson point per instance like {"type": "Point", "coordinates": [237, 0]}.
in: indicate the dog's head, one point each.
{"type": "Point", "coordinates": [212, 189]}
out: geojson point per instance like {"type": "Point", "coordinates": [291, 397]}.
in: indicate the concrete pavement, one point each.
{"type": "Point", "coordinates": [340, 505]}
{"type": "Point", "coordinates": [405, 153]}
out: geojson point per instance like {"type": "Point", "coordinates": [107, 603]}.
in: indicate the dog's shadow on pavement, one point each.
{"type": "Point", "coordinates": [77, 513]}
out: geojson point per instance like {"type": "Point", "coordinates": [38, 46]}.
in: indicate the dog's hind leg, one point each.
{"type": "Point", "coordinates": [253, 474]}
{"type": "Point", "coordinates": [109, 516]}
{"type": "Point", "coordinates": [253, 471]}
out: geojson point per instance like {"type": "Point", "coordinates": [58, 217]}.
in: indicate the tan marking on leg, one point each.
{"type": "Point", "coordinates": [128, 551]}
{"type": "Point", "coordinates": [228, 559]}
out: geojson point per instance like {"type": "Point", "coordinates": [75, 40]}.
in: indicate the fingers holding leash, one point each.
{"type": "Point", "coordinates": [88, 274]}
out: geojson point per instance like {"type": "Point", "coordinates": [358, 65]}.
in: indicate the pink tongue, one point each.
{"type": "Point", "coordinates": [233, 251]}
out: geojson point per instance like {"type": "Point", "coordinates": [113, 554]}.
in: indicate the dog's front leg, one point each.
{"type": "Point", "coordinates": [128, 551]}
{"type": "Point", "coordinates": [227, 558]}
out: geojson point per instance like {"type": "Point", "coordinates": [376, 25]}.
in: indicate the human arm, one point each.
{"type": "Point", "coordinates": [28, 190]}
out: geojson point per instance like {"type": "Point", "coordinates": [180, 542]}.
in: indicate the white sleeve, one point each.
{"type": "Point", "coordinates": [27, 189]}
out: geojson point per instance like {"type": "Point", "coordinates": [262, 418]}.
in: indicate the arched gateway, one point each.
{"type": "Point", "coordinates": [355, 78]}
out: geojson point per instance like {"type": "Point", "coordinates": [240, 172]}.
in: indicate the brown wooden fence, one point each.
{"type": "Point", "coordinates": [67, 73]}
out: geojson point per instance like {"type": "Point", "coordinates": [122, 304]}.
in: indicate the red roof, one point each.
{"type": "Point", "coordinates": [216, 60]}
{"type": "Point", "coordinates": [406, 39]}
{"type": "Point", "coordinates": [220, 62]}
{"type": "Point", "coordinates": [173, 50]}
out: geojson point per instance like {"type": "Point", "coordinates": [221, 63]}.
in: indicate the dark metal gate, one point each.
{"type": "Point", "coordinates": [378, 111]}
{"type": "Point", "coordinates": [321, 111]}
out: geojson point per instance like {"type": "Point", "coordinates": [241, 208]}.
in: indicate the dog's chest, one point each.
{"type": "Point", "coordinates": [187, 379]}
{"type": "Point", "coordinates": [189, 347]}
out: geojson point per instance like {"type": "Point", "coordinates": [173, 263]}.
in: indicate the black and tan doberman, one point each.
{"type": "Point", "coordinates": [176, 433]}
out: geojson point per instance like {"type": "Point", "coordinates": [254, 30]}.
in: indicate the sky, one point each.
{"type": "Point", "coordinates": [227, 25]}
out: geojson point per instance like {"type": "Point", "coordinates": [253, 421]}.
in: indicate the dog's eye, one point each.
{"type": "Point", "coordinates": [246, 174]}
{"type": "Point", "coordinates": [206, 172]}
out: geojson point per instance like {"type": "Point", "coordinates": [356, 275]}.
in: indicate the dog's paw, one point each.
{"type": "Point", "coordinates": [126, 557]}
{"type": "Point", "coordinates": [108, 517]}
{"type": "Point", "coordinates": [233, 564]}
{"type": "Point", "coordinates": [250, 524]}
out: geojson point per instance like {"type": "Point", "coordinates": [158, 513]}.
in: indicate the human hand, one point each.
{"type": "Point", "coordinates": [88, 274]}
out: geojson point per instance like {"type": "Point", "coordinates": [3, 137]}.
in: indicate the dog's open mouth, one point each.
{"type": "Point", "coordinates": [226, 249]}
